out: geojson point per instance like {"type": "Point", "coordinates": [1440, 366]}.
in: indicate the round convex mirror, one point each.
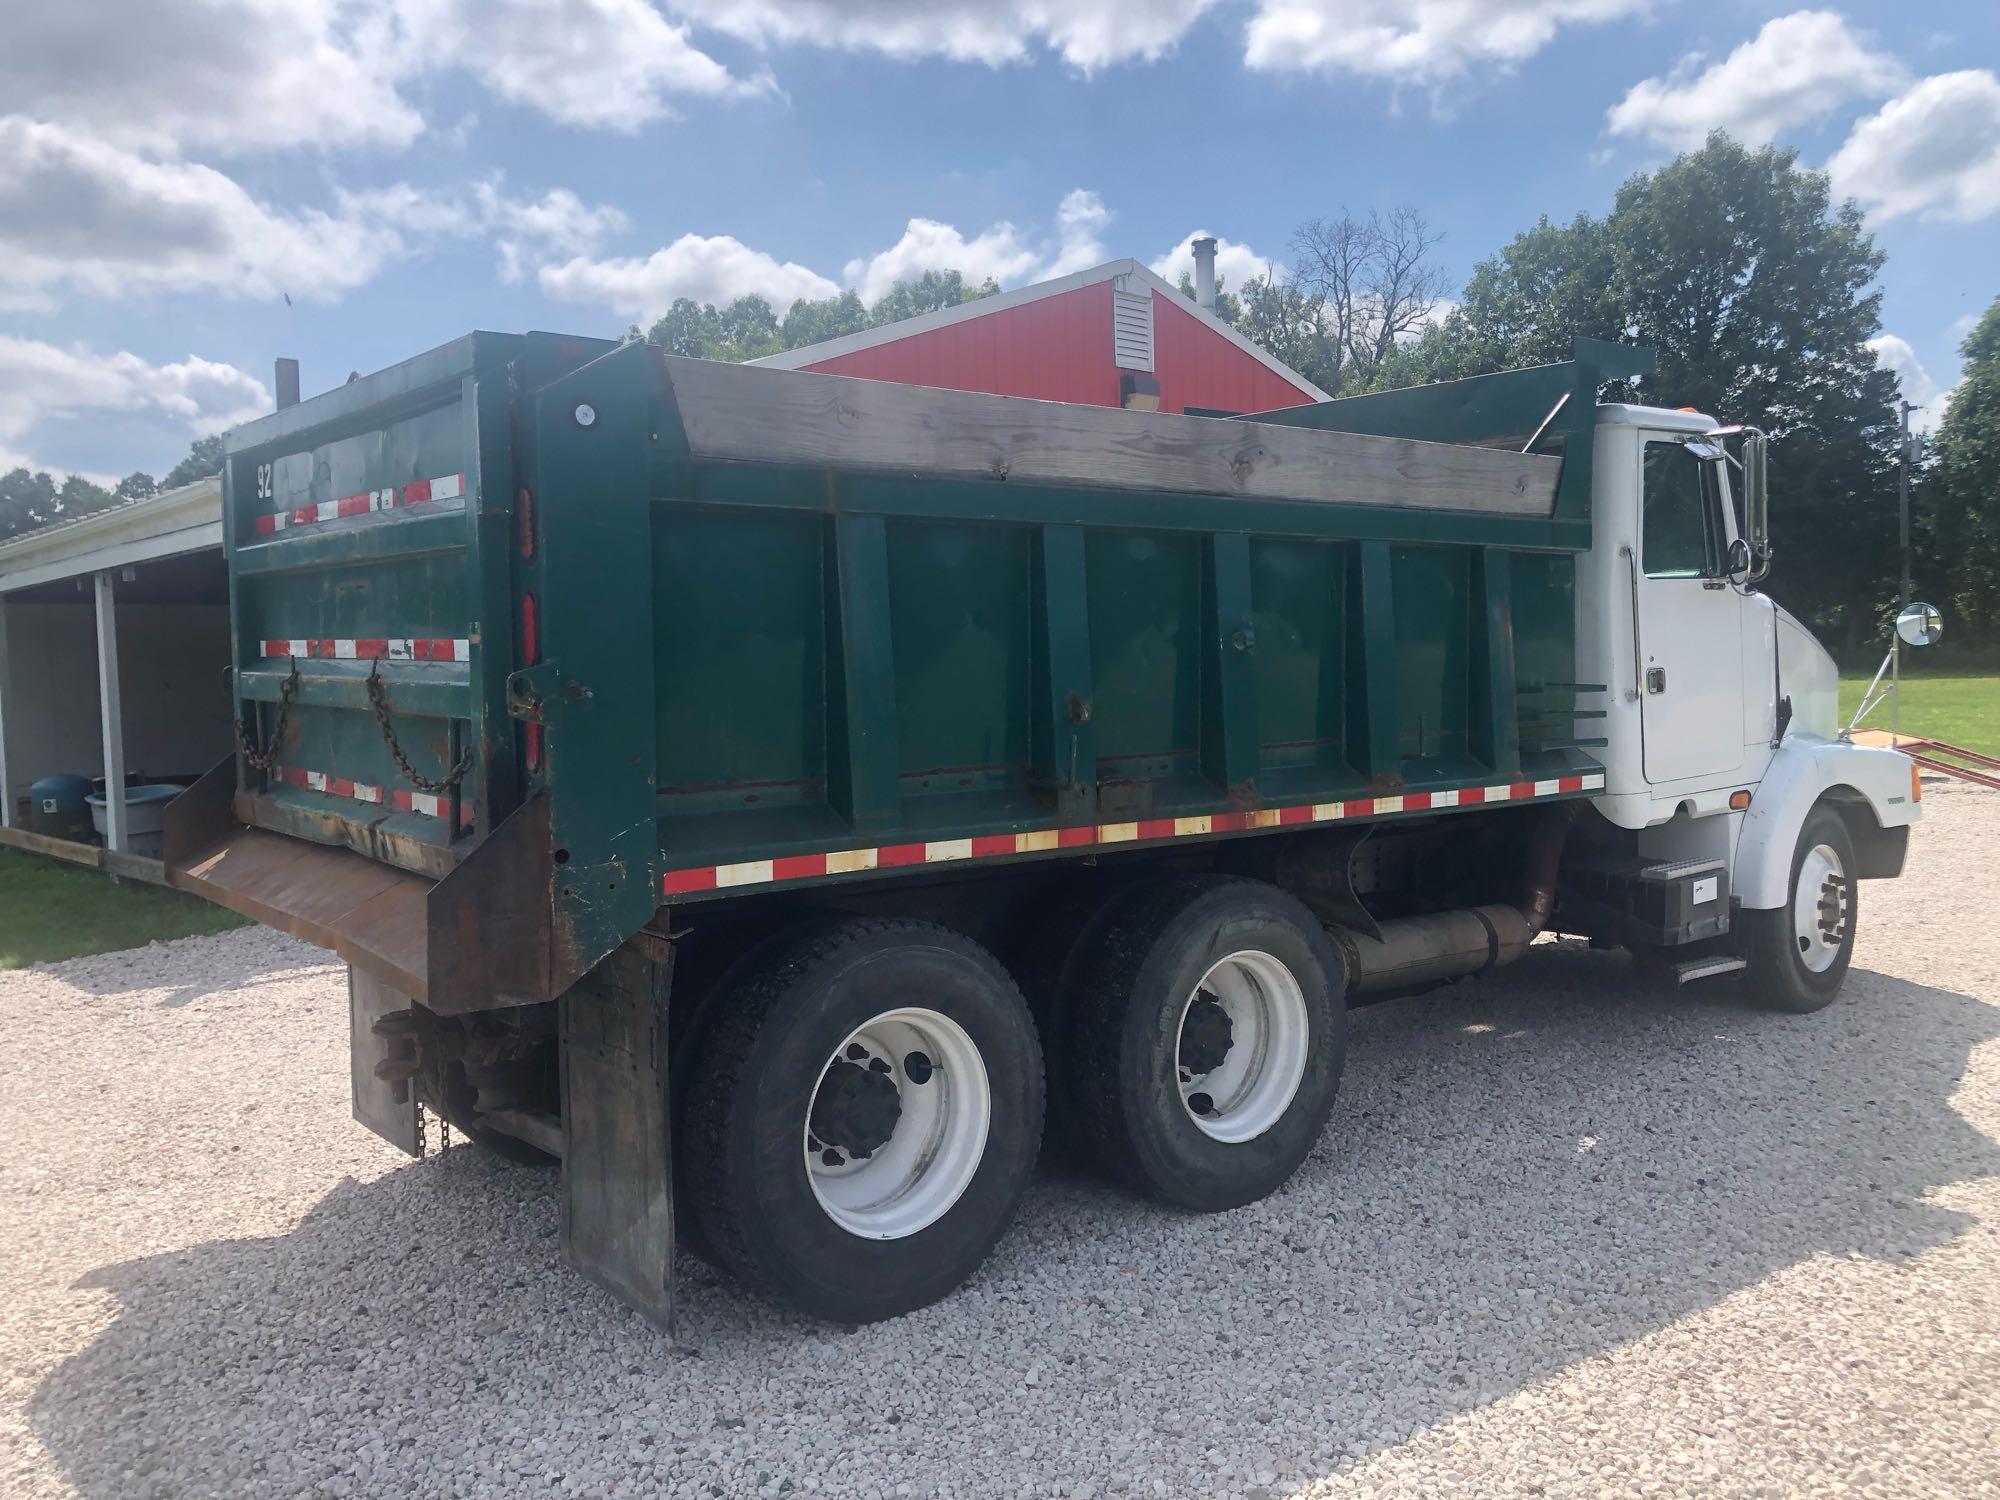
{"type": "Point", "coordinates": [1919, 624]}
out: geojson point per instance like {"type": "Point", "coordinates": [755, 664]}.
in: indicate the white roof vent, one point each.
{"type": "Point", "coordinates": [1132, 328]}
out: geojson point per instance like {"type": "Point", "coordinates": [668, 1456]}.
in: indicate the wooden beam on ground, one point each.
{"type": "Point", "coordinates": [53, 848]}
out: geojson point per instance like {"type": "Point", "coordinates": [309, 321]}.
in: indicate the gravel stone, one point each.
{"type": "Point", "coordinates": [1570, 1233]}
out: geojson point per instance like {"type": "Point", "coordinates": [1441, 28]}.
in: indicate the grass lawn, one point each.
{"type": "Point", "coordinates": [1958, 710]}
{"type": "Point", "coordinates": [50, 910]}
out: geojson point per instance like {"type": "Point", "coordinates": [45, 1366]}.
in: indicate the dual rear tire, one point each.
{"type": "Point", "coordinates": [864, 1110]}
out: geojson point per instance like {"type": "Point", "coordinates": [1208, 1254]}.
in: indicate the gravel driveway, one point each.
{"type": "Point", "coordinates": [1569, 1234]}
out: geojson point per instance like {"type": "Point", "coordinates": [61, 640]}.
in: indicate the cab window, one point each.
{"type": "Point", "coordinates": [1680, 532]}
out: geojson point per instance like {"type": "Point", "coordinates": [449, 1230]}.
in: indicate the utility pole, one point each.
{"type": "Point", "coordinates": [1903, 599]}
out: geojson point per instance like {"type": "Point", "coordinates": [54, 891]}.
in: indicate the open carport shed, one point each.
{"type": "Point", "coordinates": [114, 638]}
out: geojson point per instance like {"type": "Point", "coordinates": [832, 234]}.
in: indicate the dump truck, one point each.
{"type": "Point", "coordinates": [786, 801]}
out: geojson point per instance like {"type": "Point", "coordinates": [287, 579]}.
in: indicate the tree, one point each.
{"type": "Point", "coordinates": [748, 328]}
{"type": "Point", "coordinates": [1958, 504]}
{"type": "Point", "coordinates": [1756, 291]}
{"type": "Point", "coordinates": [137, 486]}
{"type": "Point", "coordinates": [79, 497]}
{"type": "Point", "coordinates": [26, 501]}
{"type": "Point", "coordinates": [203, 461]}
{"type": "Point", "coordinates": [810, 322]}
{"type": "Point", "coordinates": [1363, 290]}
{"type": "Point", "coordinates": [931, 292]}
{"type": "Point", "coordinates": [1371, 285]}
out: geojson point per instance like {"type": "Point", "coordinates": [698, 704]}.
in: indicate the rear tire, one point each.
{"type": "Point", "coordinates": [1798, 954]}
{"type": "Point", "coordinates": [1207, 1029]}
{"type": "Point", "coordinates": [861, 1118]}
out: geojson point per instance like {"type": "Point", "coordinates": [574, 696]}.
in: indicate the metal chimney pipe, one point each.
{"type": "Point", "coordinates": [1204, 273]}
{"type": "Point", "coordinates": [288, 383]}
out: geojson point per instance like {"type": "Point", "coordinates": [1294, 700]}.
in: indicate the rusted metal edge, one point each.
{"type": "Point", "coordinates": [476, 940]}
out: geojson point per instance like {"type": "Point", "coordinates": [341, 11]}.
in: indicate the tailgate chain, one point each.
{"type": "Point", "coordinates": [378, 699]}
{"type": "Point", "coordinates": [264, 760]}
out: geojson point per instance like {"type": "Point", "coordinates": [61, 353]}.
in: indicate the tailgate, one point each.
{"type": "Point", "coordinates": [370, 603]}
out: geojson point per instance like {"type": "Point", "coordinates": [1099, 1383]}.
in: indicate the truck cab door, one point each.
{"type": "Point", "coordinates": [1690, 619]}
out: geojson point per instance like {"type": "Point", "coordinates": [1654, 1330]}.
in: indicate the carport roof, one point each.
{"type": "Point", "coordinates": [180, 521]}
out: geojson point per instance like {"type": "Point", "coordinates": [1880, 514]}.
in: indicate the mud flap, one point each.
{"type": "Point", "coordinates": [387, 1106]}
{"type": "Point", "coordinates": [617, 1200]}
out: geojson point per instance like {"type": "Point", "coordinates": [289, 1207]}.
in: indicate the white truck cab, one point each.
{"type": "Point", "coordinates": [1721, 735]}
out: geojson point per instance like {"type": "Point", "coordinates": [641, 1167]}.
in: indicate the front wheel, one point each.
{"type": "Point", "coordinates": [861, 1118]}
{"type": "Point", "coordinates": [1799, 952]}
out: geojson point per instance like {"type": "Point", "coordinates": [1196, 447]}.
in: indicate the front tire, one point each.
{"type": "Point", "coordinates": [861, 1119]}
{"type": "Point", "coordinates": [1798, 954]}
{"type": "Point", "coordinates": [1207, 1029]}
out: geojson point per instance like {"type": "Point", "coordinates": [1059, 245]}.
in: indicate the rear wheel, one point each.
{"type": "Point", "coordinates": [1799, 952]}
{"type": "Point", "coordinates": [861, 1118]}
{"type": "Point", "coordinates": [1207, 1032]}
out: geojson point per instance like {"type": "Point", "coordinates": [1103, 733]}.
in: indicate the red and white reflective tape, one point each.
{"type": "Point", "coordinates": [370, 648]}
{"type": "Point", "coordinates": [401, 798]}
{"type": "Point", "coordinates": [1098, 835]}
{"type": "Point", "coordinates": [446, 487]}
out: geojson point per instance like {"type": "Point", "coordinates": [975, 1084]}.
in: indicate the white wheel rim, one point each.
{"type": "Point", "coordinates": [1247, 1091]}
{"type": "Point", "coordinates": [911, 1180]}
{"type": "Point", "coordinates": [1821, 909]}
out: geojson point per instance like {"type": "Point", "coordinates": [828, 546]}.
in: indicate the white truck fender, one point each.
{"type": "Point", "coordinates": [1805, 769]}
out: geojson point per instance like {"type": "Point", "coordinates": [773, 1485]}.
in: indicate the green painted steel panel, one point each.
{"type": "Point", "coordinates": [1299, 594]}
{"type": "Point", "coordinates": [737, 616]}
{"type": "Point", "coordinates": [1432, 633]}
{"type": "Point", "coordinates": [959, 611]}
{"type": "Point", "coordinates": [1145, 650]}
{"type": "Point", "coordinates": [735, 663]}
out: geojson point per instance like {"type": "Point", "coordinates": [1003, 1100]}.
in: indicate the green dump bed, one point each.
{"type": "Point", "coordinates": [536, 634]}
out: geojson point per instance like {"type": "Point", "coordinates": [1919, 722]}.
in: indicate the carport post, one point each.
{"type": "Point", "coordinates": [114, 724]}
{"type": "Point", "coordinates": [6, 784]}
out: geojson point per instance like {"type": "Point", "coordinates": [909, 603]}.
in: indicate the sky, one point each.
{"type": "Point", "coordinates": [192, 188]}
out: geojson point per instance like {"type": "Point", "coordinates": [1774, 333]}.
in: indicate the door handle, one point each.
{"type": "Point", "coordinates": [1656, 679]}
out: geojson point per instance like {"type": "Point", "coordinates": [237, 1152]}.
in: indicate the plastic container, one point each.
{"type": "Point", "coordinates": [145, 815]}
{"type": "Point", "coordinates": [56, 807]}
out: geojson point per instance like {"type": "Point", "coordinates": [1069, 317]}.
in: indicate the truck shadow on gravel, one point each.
{"type": "Point", "coordinates": [1521, 1175]}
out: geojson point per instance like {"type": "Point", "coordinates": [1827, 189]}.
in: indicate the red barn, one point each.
{"type": "Point", "coordinates": [1114, 335]}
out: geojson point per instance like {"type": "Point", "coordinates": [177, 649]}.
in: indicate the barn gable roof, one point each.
{"type": "Point", "coordinates": [1132, 273]}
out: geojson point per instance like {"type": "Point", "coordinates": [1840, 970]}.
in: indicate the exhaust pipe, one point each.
{"type": "Point", "coordinates": [1413, 951]}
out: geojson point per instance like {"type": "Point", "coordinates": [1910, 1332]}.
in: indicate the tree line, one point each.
{"type": "Point", "coordinates": [1757, 290]}
{"type": "Point", "coordinates": [31, 498]}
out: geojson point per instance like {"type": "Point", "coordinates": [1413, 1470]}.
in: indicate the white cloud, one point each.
{"type": "Point", "coordinates": [226, 74]}
{"type": "Point", "coordinates": [609, 64]}
{"type": "Point", "coordinates": [1003, 252]}
{"type": "Point", "coordinates": [720, 268]}
{"type": "Point", "coordinates": [253, 75]}
{"type": "Point", "coordinates": [41, 383]}
{"type": "Point", "coordinates": [1087, 34]}
{"type": "Point", "coordinates": [1234, 263]}
{"type": "Point", "coordinates": [1934, 149]}
{"type": "Point", "coordinates": [556, 225]}
{"type": "Point", "coordinates": [1080, 218]}
{"type": "Point", "coordinates": [1894, 354]}
{"type": "Point", "coordinates": [1797, 69]}
{"type": "Point", "coordinates": [80, 213]}
{"type": "Point", "coordinates": [1413, 41]}
{"type": "Point", "coordinates": [715, 268]}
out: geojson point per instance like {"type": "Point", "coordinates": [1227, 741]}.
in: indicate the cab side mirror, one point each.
{"type": "Point", "coordinates": [1756, 504]}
